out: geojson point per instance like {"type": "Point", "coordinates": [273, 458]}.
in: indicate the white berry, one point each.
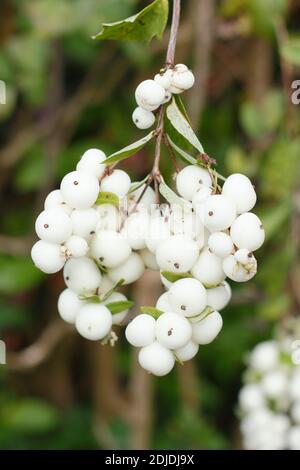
{"type": "Point", "coordinates": [109, 248]}
{"type": "Point", "coordinates": [149, 95]}
{"type": "Point", "coordinates": [163, 303]}
{"type": "Point", "coordinates": [208, 269]}
{"type": "Point", "coordinates": [118, 182]}
{"type": "Point", "coordinates": [191, 179]}
{"type": "Point", "coordinates": [53, 226]}
{"type": "Point", "coordinates": [47, 257]}
{"type": "Point", "coordinates": [156, 359]}
{"type": "Point", "coordinates": [130, 271]}
{"type": "Point", "coordinates": [177, 254]}
{"type": "Point", "coordinates": [77, 246]}
{"type": "Point", "coordinates": [219, 212]}
{"type": "Point", "coordinates": [94, 321]}
{"type": "Point", "coordinates": [218, 297]}
{"type": "Point", "coordinates": [149, 259]}
{"type": "Point", "coordinates": [173, 330]}
{"type": "Point", "coordinates": [187, 352]}
{"type": "Point", "coordinates": [92, 162]}
{"type": "Point", "coordinates": [220, 244]}
{"type": "Point", "coordinates": [247, 232]}
{"type": "Point", "coordinates": [84, 222]}
{"type": "Point", "coordinates": [80, 189]}
{"type": "Point", "coordinates": [54, 200]}
{"type": "Point", "coordinates": [140, 331]}
{"type": "Point", "coordinates": [206, 330]}
{"type": "Point", "coordinates": [69, 305]}
{"type": "Point", "coordinates": [81, 275]}
{"type": "Point", "coordinates": [240, 190]}
{"type": "Point", "coordinates": [117, 318]}
{"type": "Point", "coordinates": [187, 296]}
{"type": "Point", "coordinates": [142, 118]}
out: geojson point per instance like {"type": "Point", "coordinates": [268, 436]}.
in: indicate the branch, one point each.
{"type": "Point", "coordinates": [173, 33]}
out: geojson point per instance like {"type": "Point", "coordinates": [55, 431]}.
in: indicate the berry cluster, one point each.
{"type": "Point", "coordinates": [270, 399]}
{"type": "Point", "coordinates": [151, 94]}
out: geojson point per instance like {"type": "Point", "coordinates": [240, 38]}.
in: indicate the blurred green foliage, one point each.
{"type": "Point", "coordinates": [46, 55]}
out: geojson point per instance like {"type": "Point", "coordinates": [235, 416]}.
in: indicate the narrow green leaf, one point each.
{"type": "Point", "coordinates": [106, 197]}
{"type": "Point", "coordinates": [118, 307]}
{"type": "Point", "coordinates": [200, 316]}
{"type": "Point", "coordinates": [182, 153]}
{"type": "Point", "coordinates": [170, 195]}
{"type": "Point", "coordinates": [154, 312]}
{"type": "Point", "coordinates": [137, 184]}
{"type": "Point", "coordinates": [149, 22]}
{"type": "Point", "coordinates": [129, 150]}
{"type": "Point", "coordinates": [93, 298]}
{"type": "Point", "coordinates": [172, 277]}
{"type": "Point", "coordinates": [182, 126]}
{"type": "Point", "coordinates": [112, 290]}
{"type": "Point", "coordinates": [181, 108]}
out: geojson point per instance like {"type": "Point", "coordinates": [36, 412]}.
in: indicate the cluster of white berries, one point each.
{"type": "Point", "coordinates": [269, 401]}
{"type": "Point", "coordinates": [105, 231]}
{"type": "Point", "coordinates": [150, 94]}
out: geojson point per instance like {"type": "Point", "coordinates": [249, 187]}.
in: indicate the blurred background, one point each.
{"type": "Point", "coordinates": [67, 93]}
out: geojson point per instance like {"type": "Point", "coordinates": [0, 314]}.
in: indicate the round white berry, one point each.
{"type": "Point", "coordinates": [53, 226]}
{"type": "Point", "coordinates": [243, 256]}
{"type": "Point", "coordinates": [69, 305]}
{"type": "Point", "coordinates": [265, 356]}
{"type": "Point", "coordinates": [201, 196]}
{"type": "Point", "coordinates": [177, 254]}
{"type": "Point", "coordinates": [167, 284]}
{"type": "Point", "coordinates": [168, 96]}
{"type": "Point", "coordinates": [80, 189]}
{"type": "Point", "coordinates": [239, 189]}
{"type": "Point", "coordinates": [187, 352]}
{"type": "Point", "coordinates": [84, 222]}
{"type": "Point", "coordinates": [247, 232]}
{"type": "Point", "coordinates": [206, 330]}
{"type": "Point", "coordinates": [173, 330]}
{"type": "Point", "coordinates": [93, 321]}
{"type": "Point", "coordinates": [142, 118]}
{"type": "Point", "coordinates": [48, 257]}
{"type": "Point", "coordinates": [220, 244]}
{"type": "Point", "coordinates": [81, 275]}
{"type": "Point", "coordinates": [77, 246]}
{"type": "Point", "coordinates": [136, 229]}
{"type": "Point", "coordinates": [109, 248]}
{"type": "Point", "coordinates": [239, 272]}
{"type": "Point", "coordinates": [118, 182]}
{"type": "Point", "coordinates": [117, 318]}
{"type": "Point", "coordinates": [163, 303]}
{"type": "Point", "coordinates": [293, 438]}
{"type": "Point", "coordinates": [184, 221]}
{"type": "Point", "coordinates": [191, 179]}
{"type": "Point", "coordinates": [218, 297]}
{"type": "Point", "coordinates": [140, 331]}
{"type": "Point", "coordinates": [92, 162]}
{"type": "Point", "coordinates": [109, 217]}
{"type": "Point", "coordinates": [105, 285]}
{"type": "Point", "coordinates": [187, 296]}
{"type": "Point", "coordinates": [208, 269]}
{"type": "Point", "coordinates": [164, 79]}
{"type": "Point", "coordinates": [130, 271]}
{"type": "Point", "coordinates": [158, 231]}
{"type": "Point", "coordinates": [181, 79]}
{"type": "Point", "coordinates": [149, 95]}
{"type": "Point", "coordinates": [274, 384]}
{"type": "Point", "coordinates": [149, 259]}
{"type": "Point", "coordinates": [156, 359]}
{"type": "Point", "coordinates": [219, 212]}
{"type": "Point", "coordinates": [54, 200]}
{"type": "Point", "coordinates": [251, 397]}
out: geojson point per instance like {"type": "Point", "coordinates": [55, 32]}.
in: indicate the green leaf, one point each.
{"type": "Point", "coordinates": [172, 277]}
{"type": "Point", "coordinates": [181, 107]}
{"type": "Point", "coordinates": [170, 195]}
{"type": "Point", "coordinates": [118, 307]}
{"type": "Point", "coordinates": [200, 316]}
{"type": "Point", "coordinates": [149, 22]}
{"type": "Point", "coordinates": [184, 156]}
{"type": "Point", "coordinates": [18, 274]}
{"type": "Point", "coordinates": [93, 298]}
{"type": "Point", "coordinates": [290, 50]}
{"type": "Point", "coordinates": [182, 126]}
{"type": "Point", "coordinates": [154, 312]}
{"type": "Point", "coordinates": [99, 298]}
{"type": "Point", "coordinates": [129, 150]}
{"type": "Point", "coordinates": [112, 290]}
{"type": "Point", "coordinates": [106, 197]}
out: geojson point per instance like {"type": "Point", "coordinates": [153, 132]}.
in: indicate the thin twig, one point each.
{"type": "Point", "coordinates": [173, 34]}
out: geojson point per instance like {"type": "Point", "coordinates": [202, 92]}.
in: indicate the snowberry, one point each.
{"type": "Point", "coordinates": [218, 297]}
{"type": "Point", "coordinates": [84, 222]}
{"type": "Point", "coordinates": [206, 330]}
{"type": "Point", "coordinates": [109, 248]}
{"type": "Point", "coordinates": [239, 272]}
{"type": "Point", "coordinates": [200, 196]}
{"type": "Point", "coordinates": [158, 231]}
{"type": "Point", "coordinates": [118, 182]}
{"type": "Point", "coordinates": [81, 275]}
{"type": "Point", "coordinates": [130, 271]}
{"type": "Point", "coordinates": [294, 387]}
{"type": "Point", "coordinates": [177, 254]}
{"type": "Point", "coordinates": [92, 162]}
{"type": "Point", "coordinates": [54, 200]}
{"type": "Point", "coordinates": [149, 259]}
{"type": "Point", "coordinates": [186, 222]}
{"type": "Point", "coordinates": [163, 303]}
{"type": "Point", "coordinates": [106, 285]}
{"type": "Point", "coordinates": [247, 232]}
{"type": "Point", "coordinates": [76, 246]}
{"type": "Point", "coordinates": [187, 352]}
{"type": "Point", "coordinates": [140, 331]}
{"type": "Point", "coordinates": [69, 305]}
{"type": "Point", "coordinates": [167, 284]}
{"type": "Point", "coordinates": [251, 397]}
{"type": "Point", "coordinates": [47, 257]}
{"type": "Point", "coordinates": [53, 226]}
{"type": "Point", "coordinates": [220, 244]}
{"type": "Point", "coordinates": [243, 256]}
{"type": "Point", "coordinates": [208, 269]}
{"type": "Point", "coordinates": [164, 79]}
{"type": "Point", "coordinates": [168, 96]}
{"type": "Point", "coordinates": [148, 198]}
{"type": "Point", "coordinates": [264, 356]}
{"type": "Point", "coordinates": [173, 330]}
{"type": "Point", "coordinates": [187, 296]}
{"type": "Point", "coordinates": [109, 217]}
{"type": "Point", "coordinates": [181, 79]}
{"type": "Point", "coordinates": [191, 179]}
{"type": "Point", "coordinates": [239, 189]}
{"type": "Point", "coordinates": [156, 359]}
{"type": "Point", "coordinates": [142, 118]}
{"type": "Point", "coordinates": [80, 189]}
{"type": "Point", "coordinates": [293, 438]}
{"type": "Point", "coordinates": [93, 321]}
{"type": "Point", "coordinates": [135, 229]}
{"type": "Point", "coordinates": [149, 95]}
{"type": "Point", "coordinates": [219, 212]}
{"type": "Point", "coordinates": [117, 318]}
{"type": "Point", "coordinates": [258, 418]}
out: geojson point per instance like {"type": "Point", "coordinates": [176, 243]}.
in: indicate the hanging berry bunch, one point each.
{"type": "Point", "coordinates": [105, 230]}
